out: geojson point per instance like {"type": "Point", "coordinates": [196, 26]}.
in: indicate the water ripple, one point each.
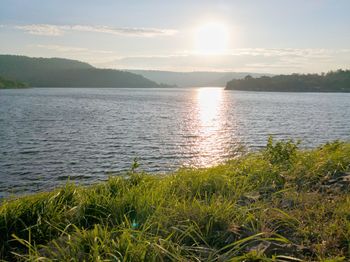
{"type": "Point", "coordinates": [48, 136]}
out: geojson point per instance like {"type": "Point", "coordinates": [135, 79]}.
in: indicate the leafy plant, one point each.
{"type": "Point", "coordinates": [281, 152]}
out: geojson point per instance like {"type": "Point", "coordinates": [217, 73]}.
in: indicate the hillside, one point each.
{"type": "Point", "coordinates": [58, 72]}
{"type": "Point", "coordinates": [191, 79]}
{"type": "Point", "coordinates": [334, 81]}
{"type": "Point", "coordinates": [9, 84]}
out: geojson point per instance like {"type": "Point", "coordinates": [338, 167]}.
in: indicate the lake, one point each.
{"type": "Point", "coordinates": [48, 135]}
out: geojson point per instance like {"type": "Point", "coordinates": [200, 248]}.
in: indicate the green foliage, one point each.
{"type": "Point", "coordinates": [135, 164]}
{"type": "Point", "coordinates": [334, 81]}
{"type": "Point", "coordinates": [6, 83]}
{"type": "Point", "coordinates": [281, 152]}
{"type": "Point", "coordinates": [274, 205]}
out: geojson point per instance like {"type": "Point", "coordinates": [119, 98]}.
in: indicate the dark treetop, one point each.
{"type": "Point", "coordinates": [58, 72]}
{"type": "Point", "coordinates": [334, 81]}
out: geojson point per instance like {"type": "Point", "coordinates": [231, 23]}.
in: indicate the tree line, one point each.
{"type": "Point", "coordinates": [333, 81]}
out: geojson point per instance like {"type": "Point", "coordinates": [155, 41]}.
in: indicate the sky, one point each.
{"type": "Point", "coordinates": [265, 36]}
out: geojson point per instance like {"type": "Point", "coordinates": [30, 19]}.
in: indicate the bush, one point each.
{"type": "Point", "coordinates": [281, 152]}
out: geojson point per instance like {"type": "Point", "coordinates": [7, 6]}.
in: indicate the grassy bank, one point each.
{"type": "Point", "coordinates": [280, 204]}
{"type": "Point", "coordinates": [11, 84]}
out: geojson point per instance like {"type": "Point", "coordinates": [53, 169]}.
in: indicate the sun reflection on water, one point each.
{"type": "Point", "coordinates": [209, 103]}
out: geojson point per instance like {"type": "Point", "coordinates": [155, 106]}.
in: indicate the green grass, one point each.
{"type": "Point", "coordinates": [280, 204]}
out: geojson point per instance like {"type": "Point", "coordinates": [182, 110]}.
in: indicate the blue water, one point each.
{"type": "Point", "coordinates": [50, 134]}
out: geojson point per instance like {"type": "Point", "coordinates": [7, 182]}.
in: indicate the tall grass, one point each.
{"type": "Point", "coordinates": [280, 204]}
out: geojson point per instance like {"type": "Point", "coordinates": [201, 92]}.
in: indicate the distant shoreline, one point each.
{"type": "Point", "coordinates": [179, 87]}
{"type": "Point", "coordinates": [334, 82]}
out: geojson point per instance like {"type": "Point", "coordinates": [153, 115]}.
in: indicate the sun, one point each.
{"type": "Point", "coordinates": [211, 38]}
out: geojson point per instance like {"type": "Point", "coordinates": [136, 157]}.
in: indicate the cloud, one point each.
{"type": "Point", "coordinates": [131, 31]}
{"type": "Point", "coordinates": [73, 49]}
{"type": "Point", "coordinates": [259, 60]}
{"type": "Point", "coordinates": [262, 60]}
{"type": "Point", "coordinates": [41, 29]}
{"type": "Point", "coordinates": [58, 30]}
{"type": "Point", "coordinates": [282, 52]}
{"type": "Point", "coordinates": [96, 57]}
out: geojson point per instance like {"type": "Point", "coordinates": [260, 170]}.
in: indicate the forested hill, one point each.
{"type": "Point", "coordinates": [58, 72]}
{"type": "Point", "coordinates": [334, 81]}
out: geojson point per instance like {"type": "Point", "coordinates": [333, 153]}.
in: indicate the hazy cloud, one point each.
{"type": "Point", "coordinates": [58, 30]}
{"type": "Point", "coordinates": [94, 56]}
{"type": "Point", "coordinates": [132, 31]}
{"type": "Point", "coordinates": [72, 49]}
{"type": "Point", "coordinates": [41, 29]}
{"type": "Point", "coordinates": [255, 59]}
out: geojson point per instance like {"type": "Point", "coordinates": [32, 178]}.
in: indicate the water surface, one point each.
{"type": "Point", "coordinates": [50, 134]}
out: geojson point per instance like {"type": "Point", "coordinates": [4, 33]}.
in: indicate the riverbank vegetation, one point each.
{"type": "Point", "coordinates": [7, 84]}
{"type": "Point", "coordinates": [334, 81]}
{"type": "Point", "coordinates": [280, 204]}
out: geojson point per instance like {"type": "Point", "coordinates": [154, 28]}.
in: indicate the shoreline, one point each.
{"type": "Point", "coordinates": [178, 87]}
{"type": "Point", "coordinates": [278, 202]}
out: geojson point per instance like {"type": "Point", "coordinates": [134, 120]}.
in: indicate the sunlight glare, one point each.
{"type": "Point", "coordinates": [209, 100]}
{"type": "Point", "coordinates": [209, 103]}
{"type": "Point", "coordinates": [212, 39]}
